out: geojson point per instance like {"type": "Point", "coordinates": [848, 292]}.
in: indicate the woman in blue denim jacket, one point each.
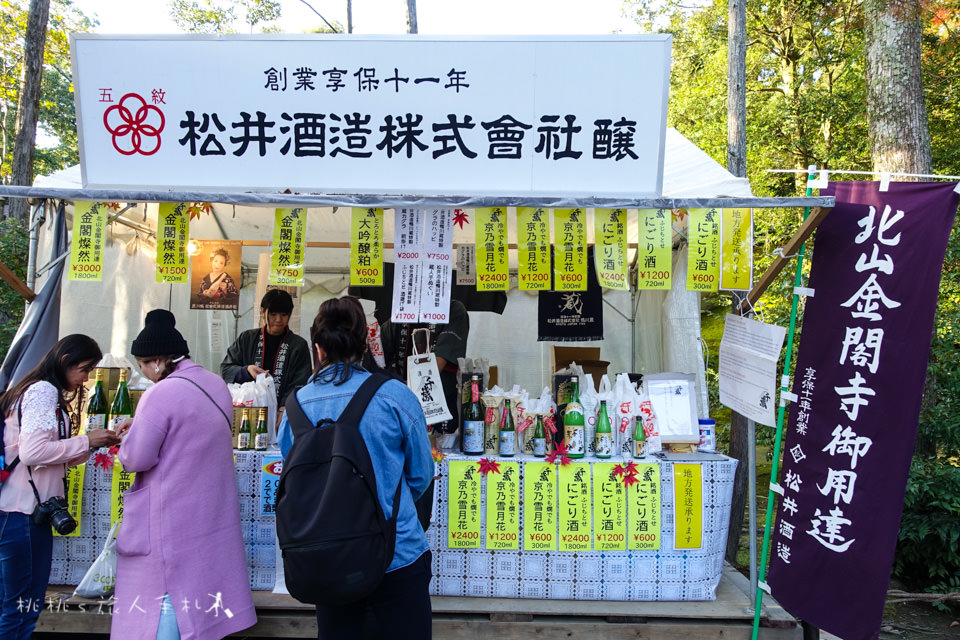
{"type": "Point", "coordinates": [395, 433]}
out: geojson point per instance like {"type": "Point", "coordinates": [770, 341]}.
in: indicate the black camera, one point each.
{"type": "Point", "coordinates": [54, 512]}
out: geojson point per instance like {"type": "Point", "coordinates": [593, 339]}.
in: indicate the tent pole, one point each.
{"type": "Point", "coordinates": [781, 411]}
{"type": "Point", "coordinates": [36, 219]}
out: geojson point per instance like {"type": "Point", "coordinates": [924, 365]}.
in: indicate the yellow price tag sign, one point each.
{"type": "Point", "coordinates": [703, 257]}
{"type": "Point", "coordinates": [644, 517]}
{"type": "Point", "coordinates": [173, 233]}
{"type": "Point", "coordinates": [687, 506]}
{"type": "Point", "coordinates": [539, 506]}
{"type": "Point", "coordinates": [570, 250]}
{"type": "Point", "coordinates": [609, 509]}
{"type": "Point", "coordinates": [533, 249]}
{"type": "Point", "coordinates": [121, 481]}
{"type": "Point", "coordinates": [503, 507]}
{"type": "Point", "coordinates": [366, 247]}
{"type": "Point", "coordinates": [463, 505]}
{"type": "Point", "coordinates": [75, 477]}
{"type": "Point", "coordinates": [287, 250]}
{"type": "Point", "coordinates": [490, 235]}
{"type": "Point", "coordinates": [574, 507]}
{"type": "Point", "coordinates": [610, 247]}
{"type": "Point", "coordinates": [654, 249]}
{"type": "Point", "coordinates": [88, 239]}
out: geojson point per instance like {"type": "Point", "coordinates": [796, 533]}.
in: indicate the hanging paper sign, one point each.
{"type": "Point", "coordinates": [736, 249]}
{"type": "Point", "coordinates": [539, 506]}
{"type": "Point", "coordinates": [609, 509]}
{"type": "Point", "coordinates": [120, 482]}
{"type": "Point", "coordinates": [655, 249]}
{"type": "Point", "coordinates": [466, 264]}
{"type": "Point", "coordinates": [75, 497]}
{"type": "Point", "coordinates": [173, 230]}
{"type": "Point", "coordinates": [408, 265]}
{"type": "Point", "coordinates": [214, 274]}
{"type": "Point", "coordinates": [503, 507]}
{"type": "Point", "coordinates": [574, 509]}
{"type": "Point", "coordinates": [89, 236]}
{"type": "Point", "coordinates": [463, 505]}
{"type": "Point", "coordinates": [286, 255]}
{"type": "Point", "coordinates": [687, 506]}
{"type": "Point", "coordinates": [703, 256]}
{"type": "Point", "coordinates": [435, 285]}
{"type": "Point", "coordinates": [570, 239]}
{"type": "Point", "coordinates": [490, 235]}
{"type": "Point", "coordinates": [533, 248]}
{"type": "Point", "coordinates": [366, 247]}
{"type": "Point", "coordinates": [643, 520]}
{"type": "Point", "coordinates": [270, 470]}
{"type": "Point", "coordinates": [610, 247]}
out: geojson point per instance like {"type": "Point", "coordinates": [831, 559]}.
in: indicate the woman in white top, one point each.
{"type": "Point", "coordinates": [38, 447]}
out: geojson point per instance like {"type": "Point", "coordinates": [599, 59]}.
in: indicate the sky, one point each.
{"type": "Point", "coordinates": [434, 17]}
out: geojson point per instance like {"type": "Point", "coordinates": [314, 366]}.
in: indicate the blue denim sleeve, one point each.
{"type": "Point", "coordinates": [418, 465]}
{"type": "Point", "coordinates": [284, 435]}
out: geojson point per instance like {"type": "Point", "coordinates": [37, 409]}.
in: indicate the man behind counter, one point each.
{"type": "Point", "coordinates": [272, 349]}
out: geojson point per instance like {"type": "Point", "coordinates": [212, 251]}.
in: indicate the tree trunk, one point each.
{"type": "Point", "coordinates": [21, 171]}
{"type": "Point", "coordinates": [737, 165]}
{"type": "Point", "coordinates": [896, 110]}
{"type": "Point", "coordinates": [411, 16]}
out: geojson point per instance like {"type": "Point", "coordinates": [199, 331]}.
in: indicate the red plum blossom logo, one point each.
{"type": "Point", "coordinates": [134, 125]}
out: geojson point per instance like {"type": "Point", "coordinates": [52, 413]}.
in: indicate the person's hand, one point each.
{"type": "Point", "coordinates": [124, 427]}
{"type": "Point", "coordinates": [102, 438]}
{"type": "Point", "coordinates": [254, 371]}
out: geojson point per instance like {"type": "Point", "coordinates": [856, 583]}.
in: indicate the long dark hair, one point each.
{"type": "Point", "coordinates": [71, 351]}
{"type": "Point", "coordinates": [340, 330]}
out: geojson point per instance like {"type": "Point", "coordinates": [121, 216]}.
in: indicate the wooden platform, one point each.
{"type": "Point", "coordinates": [499, 618]}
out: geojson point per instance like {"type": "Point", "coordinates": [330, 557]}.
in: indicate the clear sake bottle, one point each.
{"type": "Point", "coordinates": [243, 435]}
{"type": "Point", "coordinates": [97, 408]}
{"type": "Point", "coordinates": [603, 439]}
{"type": "Point", "coordinates": [573, 422]}
{"type": "Point", "coordinates": [260, 439]}
{"type": "Point", "coordinates": [539, 439]}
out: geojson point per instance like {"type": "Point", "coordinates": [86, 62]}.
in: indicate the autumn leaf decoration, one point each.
{"type": "Point", "coordinates": [438, 455]}
{"type": "Point", "coordinates": [559, 454]}
{"type": "Point", "coordinates": [105, 460]}
{"type": "Point", "coordinates": [460, 217]}
{"type": "Point", "coordinates": [487, 465]}
{"type": "Point", "coordinates": [194, 209]}
{"type": "Point", "coordinates": [628, 474]}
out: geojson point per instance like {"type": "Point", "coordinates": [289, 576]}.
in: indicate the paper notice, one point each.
{"type": "Point", "coordinates": [748, 367]}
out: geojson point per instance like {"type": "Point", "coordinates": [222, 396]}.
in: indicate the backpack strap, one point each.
{"type": "Point", "coordinates": [300, 423]}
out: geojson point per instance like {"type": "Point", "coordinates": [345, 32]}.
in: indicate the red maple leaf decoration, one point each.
{"type": "Point", "coordinates": [103, 460]}
{"type": "Point", "coordinates": [460, 217]}
{"type": "Point", "coordinates": [632, 468]}
{"type": "Point", "coordinates": [438, 455]}
{"type": "Point", "coordinates": [487, 465]}
{"type": "Point", "coordinates": [559, 453]}
{"type": "Point", "coordinates": [629, 480]}
{"type": "Point", "coordinates": [114, 450]}
{"type": "Point", "coordinates": [194, 209]}
{"type": "Point", "coordinates": [619, 470]}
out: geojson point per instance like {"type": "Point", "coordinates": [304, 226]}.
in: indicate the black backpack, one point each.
{"type": "Point", "coordinates": [336, 541]}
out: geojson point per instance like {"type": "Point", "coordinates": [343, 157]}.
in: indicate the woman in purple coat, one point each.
{"type": "Point", "coordinates": [181, 567]}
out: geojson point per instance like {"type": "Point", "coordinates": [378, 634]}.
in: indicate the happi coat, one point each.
{"type": "Point", "coordinates": [292, 367]}
{"type": "Point", "coordinates": [181, 518]}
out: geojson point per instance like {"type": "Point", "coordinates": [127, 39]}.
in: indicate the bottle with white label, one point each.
{"type": "Point", "coordinates": [573, 422]}
{"type": "Point", "coordinates": [243, 436]}
{"type": "Point", "coordinates": [539, 439]}
{"type": "Point", "coordinates": [97, 409]}
{"type": "Point", "coordinates": [122, 408]}
{"type": "Point", "coordinates": [471, 442]}
{"type": "Point", "coordinates": [603, 440]}
{"type": "Point", "coordinates": [260, 440]}
{"type": "Point", "coordinates": [508, 432]}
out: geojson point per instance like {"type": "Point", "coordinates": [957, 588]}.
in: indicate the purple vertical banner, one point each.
{"type": "Point", "coordinates": [859, 378]}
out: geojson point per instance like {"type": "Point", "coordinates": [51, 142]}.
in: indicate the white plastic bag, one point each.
{"type": "Point", "coordinates": [101, 577]}
{"type": "Point", "coordinates": [591, 405]}
{"type": "Point", "coordinates": [625, 399]}
{"type": "Point", "coordinates": [423, 378]}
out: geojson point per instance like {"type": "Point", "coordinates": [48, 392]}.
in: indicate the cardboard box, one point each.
{"type": "Point", "coordinates": [586, 357]}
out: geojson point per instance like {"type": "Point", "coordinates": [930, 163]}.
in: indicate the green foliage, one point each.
{"type": "Point", "coordinates": [13, 254]}
{"type": "Point", "coordinates": [928, 551]}
{"type": "Point", "coordinates": [219, 16]}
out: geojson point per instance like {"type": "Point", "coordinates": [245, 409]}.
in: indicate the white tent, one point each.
{"type": "Point", "coordinates": [666, 324]}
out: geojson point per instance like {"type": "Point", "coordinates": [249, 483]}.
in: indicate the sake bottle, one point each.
{"type": "Point", "coordinates": [97, 409]}
{"type": "Point", "coordinates": [539, 438]}
{"type": "Point", "coordinates": [243, 436]}
{"type": "Point", "coordinates": [260, 440]}
{"type": "Point", "coordinates": [121, 408]}
{"type": "Point", "coordinates": [639, 439]}
{"type": "Point", "coordinates": [508, 432]}
{"type": "Point", "coordinates": [603, 440]}
{"type": "Point", "coordinates": [573, 431]}
{"type": "Point", "coordinates": [471, 442]}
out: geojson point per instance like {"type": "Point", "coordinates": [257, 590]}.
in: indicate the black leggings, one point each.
{"type": "Point", "coordinates": [400, 608]}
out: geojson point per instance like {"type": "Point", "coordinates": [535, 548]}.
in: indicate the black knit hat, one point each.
{"type": "Point", "coordinates": [277, 301]}
{"type": "Point", "coordinates": [159, 336]}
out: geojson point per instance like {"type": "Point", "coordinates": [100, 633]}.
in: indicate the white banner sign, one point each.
{"type": "Point", "coordinates": [583, 115]}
